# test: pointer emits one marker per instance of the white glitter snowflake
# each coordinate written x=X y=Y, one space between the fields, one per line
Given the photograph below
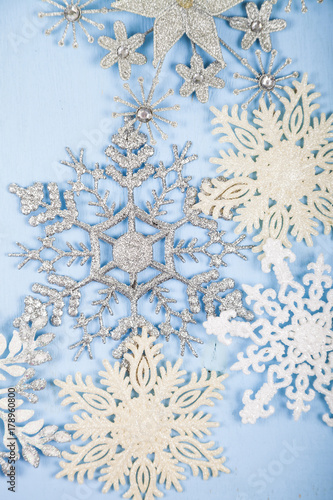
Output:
x=281 y=171
x=303 y=3
x=295 y=347
x=72 y=13
x=15 y=353
x=146 y=412
x=152 y=242
x=265 y=82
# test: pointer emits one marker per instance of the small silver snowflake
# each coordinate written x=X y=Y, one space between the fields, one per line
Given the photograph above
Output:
x=257 y=25
x=72 y=13
x=265 y=82
x=198 y=79
x=122 y=50
x=151 y=241
x=145 y=111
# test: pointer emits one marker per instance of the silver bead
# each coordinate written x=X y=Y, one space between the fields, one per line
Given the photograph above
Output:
x=144 y=114
x=256 y=26
x=72 y=13
x=267 y=82
x=123 y=51
x=197 y=78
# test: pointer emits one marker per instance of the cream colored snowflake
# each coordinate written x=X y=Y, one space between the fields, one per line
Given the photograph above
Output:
x=141 y=413
x=281 y=170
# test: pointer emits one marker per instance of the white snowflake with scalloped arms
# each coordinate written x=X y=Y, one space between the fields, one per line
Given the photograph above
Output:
x=295 y=346
x=25 y=348
x=280 y=175
x=142 y=425
x=153 y=242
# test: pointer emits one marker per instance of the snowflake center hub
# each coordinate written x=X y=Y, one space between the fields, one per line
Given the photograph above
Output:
x=132 y=253
x=267 y=82
x=144 y=114
x=186 y=4
x=144 y=425
x=72 y=13
x=256 y=26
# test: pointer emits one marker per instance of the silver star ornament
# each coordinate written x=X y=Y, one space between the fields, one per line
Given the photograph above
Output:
x=257 y=25
x=175 y=18
x=122 y=50
x=198 y=79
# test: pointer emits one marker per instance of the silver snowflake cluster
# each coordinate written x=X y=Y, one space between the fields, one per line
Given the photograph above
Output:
x=25 y=348
x=132 y=252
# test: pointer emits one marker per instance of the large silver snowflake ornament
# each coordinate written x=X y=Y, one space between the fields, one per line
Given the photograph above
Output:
x=175 y=18
x=73 y=13
x=151 y=243
x=143 y=425
x=294 y=346
x=18 y=383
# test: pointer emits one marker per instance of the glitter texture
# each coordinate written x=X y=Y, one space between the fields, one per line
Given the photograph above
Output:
x=175 y=18
x=149 y=411
x=284 y=153
x=257 y=25
x=72 y=15
x=296 y=344
x=303 y=3
x=25 y=348
x=122 y=50
x=265 y=82
x=171 y=185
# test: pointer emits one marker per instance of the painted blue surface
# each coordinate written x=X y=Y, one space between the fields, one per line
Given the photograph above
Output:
x=53 y=97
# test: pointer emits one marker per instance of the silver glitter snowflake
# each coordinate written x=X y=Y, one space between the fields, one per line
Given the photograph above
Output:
x=146 y=112
x=151 y=242
x=25 y=347
x=304 y=7
x=257 y=25
x=72 y=13
x=265 y=82
x=198 y=79
x=122 y=50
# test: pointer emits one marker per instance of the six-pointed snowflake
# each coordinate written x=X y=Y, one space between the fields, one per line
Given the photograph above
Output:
x=296 y=344
x=72 y=14
x=122 y=50
x=22 y=349
x=282 y=172
x=152 y=243
x=146 y=412
x=257 y=25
